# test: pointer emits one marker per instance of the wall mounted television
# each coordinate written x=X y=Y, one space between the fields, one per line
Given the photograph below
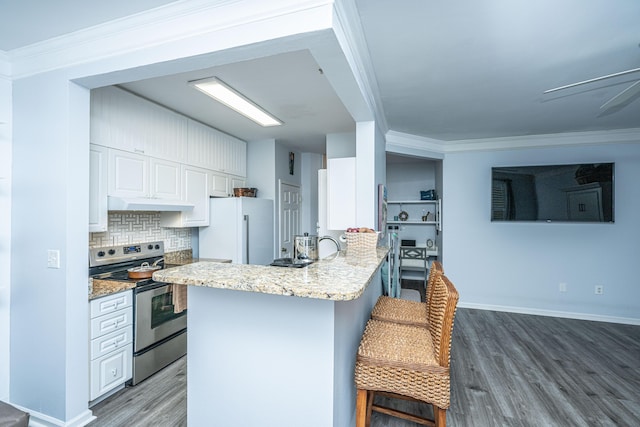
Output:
x=553 y=193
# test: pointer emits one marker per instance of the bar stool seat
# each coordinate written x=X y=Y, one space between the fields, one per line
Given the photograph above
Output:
x=408 y=362
x=407 y=312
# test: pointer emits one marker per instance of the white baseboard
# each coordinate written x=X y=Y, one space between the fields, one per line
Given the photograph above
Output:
x=36 y=419
x=553 y=313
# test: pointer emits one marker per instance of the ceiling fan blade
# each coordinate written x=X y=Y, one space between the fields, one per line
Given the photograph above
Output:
x=608 y=76
x=622 y=97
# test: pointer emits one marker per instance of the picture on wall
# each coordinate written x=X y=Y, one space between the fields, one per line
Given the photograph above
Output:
x=292 y=156
x=382 y=210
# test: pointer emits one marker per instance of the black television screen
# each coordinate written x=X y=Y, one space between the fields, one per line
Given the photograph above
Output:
x=578 y=192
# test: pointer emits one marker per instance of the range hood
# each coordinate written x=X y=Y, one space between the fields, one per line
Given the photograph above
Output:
x=147 y=204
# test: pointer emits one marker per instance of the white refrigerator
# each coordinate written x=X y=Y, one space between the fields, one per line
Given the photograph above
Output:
x=240 y=229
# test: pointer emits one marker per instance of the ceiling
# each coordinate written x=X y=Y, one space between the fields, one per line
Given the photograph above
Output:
x=445 y=71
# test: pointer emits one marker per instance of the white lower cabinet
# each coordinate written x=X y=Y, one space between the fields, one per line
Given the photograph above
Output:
x=111 y=343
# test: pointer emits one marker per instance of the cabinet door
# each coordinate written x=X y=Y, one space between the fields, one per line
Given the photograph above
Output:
x=128 y=174
x=237 y=182
x=166 y=180
x=108 y=323
x=111 y=303
x=110 y=371
x=237 y=158
x=219 y=185
x=202 y=146
x=196 y=191
x=127 y=122
x=111 y=342
x=98 y=214
x=341 y=193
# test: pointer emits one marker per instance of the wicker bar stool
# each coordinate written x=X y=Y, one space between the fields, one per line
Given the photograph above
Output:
x=408 y=362
x=407 y=312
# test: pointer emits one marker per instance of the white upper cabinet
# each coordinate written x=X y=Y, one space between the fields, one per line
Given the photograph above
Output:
x=128 y=174
x=214 y=150
x=98 y=163
x=137 y=175
x=220 y=186
x=166 y=180
x=341 y=193
x=127 y=122
x=195 y=182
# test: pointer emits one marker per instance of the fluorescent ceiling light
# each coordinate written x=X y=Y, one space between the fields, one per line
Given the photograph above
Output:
x=219 y=91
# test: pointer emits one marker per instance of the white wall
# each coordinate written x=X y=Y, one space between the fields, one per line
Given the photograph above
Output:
x=311 y=163
x=5 y=232
x=518 y=266
x=49 y=307
x=261 y=155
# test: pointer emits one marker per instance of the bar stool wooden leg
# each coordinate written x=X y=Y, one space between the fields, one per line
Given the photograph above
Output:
x=361 y=408
x=439 y=416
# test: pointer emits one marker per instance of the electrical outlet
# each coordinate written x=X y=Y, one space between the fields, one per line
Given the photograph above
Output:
x=53 y=258
x=599 y=289
x=562 y=287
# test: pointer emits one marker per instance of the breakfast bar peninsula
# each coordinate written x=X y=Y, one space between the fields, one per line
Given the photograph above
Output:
x=276 y=346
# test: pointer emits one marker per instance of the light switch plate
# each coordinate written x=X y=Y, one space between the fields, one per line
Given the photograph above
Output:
x=53 y=258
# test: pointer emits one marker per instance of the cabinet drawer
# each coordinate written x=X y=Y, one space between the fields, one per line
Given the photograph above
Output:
x=110 y=371
x=110 y=342
x=111 y=322
x=111 y=303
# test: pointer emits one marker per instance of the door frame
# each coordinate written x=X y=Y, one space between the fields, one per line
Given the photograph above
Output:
x=279 y=219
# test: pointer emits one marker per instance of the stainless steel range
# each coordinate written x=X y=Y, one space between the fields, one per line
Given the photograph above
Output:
x=160 y=335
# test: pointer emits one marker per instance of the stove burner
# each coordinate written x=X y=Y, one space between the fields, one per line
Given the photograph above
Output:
x=112 y=262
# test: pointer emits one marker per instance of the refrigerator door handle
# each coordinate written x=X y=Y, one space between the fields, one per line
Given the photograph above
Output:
x=246 y=237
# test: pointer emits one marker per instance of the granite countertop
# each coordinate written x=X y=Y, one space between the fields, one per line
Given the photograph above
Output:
x=341 y=277
x=102 y=287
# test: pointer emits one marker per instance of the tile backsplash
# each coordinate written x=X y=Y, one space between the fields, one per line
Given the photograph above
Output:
x=138 y=227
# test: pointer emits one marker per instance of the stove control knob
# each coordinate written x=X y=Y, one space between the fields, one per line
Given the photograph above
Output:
x=150 y=247
x=157 y=246
x=112 y=251
x=101 y=253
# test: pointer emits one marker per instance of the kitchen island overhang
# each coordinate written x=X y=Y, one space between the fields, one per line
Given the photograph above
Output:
x=273 y=345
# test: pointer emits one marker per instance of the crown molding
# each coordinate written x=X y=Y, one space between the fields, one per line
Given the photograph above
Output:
x=5 y=66
x=349 y=30
x=403 y=143
x=419 y=146
x=546 y=140
x=172 y=22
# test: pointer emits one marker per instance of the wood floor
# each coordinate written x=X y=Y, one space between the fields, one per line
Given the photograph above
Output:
x=507 y=370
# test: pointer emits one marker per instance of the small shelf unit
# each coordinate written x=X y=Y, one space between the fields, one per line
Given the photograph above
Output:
x=393 y=212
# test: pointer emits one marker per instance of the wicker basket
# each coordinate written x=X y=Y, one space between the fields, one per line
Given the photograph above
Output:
x=245 y=192
x=362 y=243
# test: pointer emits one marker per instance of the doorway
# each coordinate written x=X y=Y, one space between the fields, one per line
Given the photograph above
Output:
x=289 y=196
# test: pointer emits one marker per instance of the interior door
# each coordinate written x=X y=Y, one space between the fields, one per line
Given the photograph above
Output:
x=289 y=218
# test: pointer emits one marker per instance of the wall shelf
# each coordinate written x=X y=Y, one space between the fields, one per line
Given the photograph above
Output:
x=394 y=207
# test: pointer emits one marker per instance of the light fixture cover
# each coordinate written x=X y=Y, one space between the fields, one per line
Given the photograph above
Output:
x=224 y=94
